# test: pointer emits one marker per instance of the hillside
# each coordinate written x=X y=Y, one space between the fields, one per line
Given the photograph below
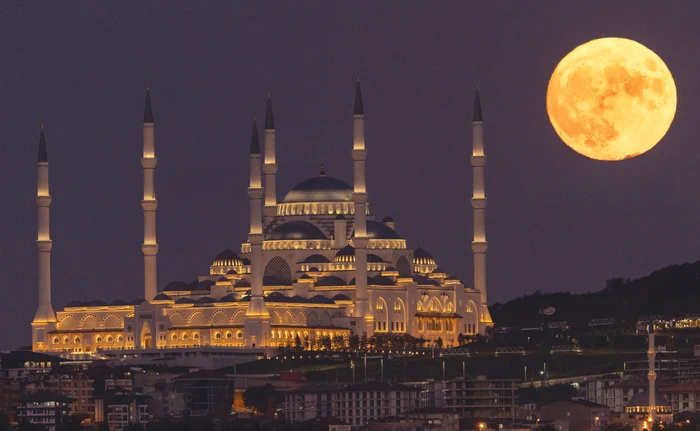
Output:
x=673 y=291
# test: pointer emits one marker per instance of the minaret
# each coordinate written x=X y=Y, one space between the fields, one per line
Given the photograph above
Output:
x=44 y=319
x=257 y=318
x=270 y=165
x=149 y=203
x=359 y=197
x=479 y=245
x=651 y=354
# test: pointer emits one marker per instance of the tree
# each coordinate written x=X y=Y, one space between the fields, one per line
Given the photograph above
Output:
x=297 y=342
x=262 y=399
x=460 y=339
x=547 y=427
x=363 y=341
x=354 y=342
x=338 y=342
x=438 y=342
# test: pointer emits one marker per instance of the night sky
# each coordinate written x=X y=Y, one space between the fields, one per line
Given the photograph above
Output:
x=556 y=221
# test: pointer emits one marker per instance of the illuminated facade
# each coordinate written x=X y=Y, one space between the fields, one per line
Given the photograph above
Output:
x=315 y=265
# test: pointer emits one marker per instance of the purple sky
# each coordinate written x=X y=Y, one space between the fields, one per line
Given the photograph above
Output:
x=555 y=220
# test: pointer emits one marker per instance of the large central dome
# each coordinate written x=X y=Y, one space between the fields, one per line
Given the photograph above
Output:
x=320 y=189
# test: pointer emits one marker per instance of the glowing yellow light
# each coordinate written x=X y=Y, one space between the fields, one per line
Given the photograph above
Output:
x=611 y=99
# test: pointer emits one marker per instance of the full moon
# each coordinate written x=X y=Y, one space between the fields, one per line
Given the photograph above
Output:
x=611 y=99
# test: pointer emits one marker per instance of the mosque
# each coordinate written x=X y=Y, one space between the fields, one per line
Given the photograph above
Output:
x=316 y=265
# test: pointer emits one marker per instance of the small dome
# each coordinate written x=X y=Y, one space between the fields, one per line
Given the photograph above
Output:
x=75 y=304
x=206 y=300
x=331 y=281
x=380 y=281
x=119 y=302
x=313 y=269
x=227 y=258
x=96 y=303
x=228 y=298
x=222 y=279
x=185 y=301
x=176 y=286
x=320 y=299
x=387 y=219
x=316 y=258
x=341 y=297
x=138 y=301
x=205 y=285
x=376 y=230
x=246 y=261
x=373 y=258
x=242 y=283
x=320 y=189
x=276 y=297
x=305 y=277
x=162 y=297
x=345 y=254
x=340 y=217
x=295 y=230
x=422 y=257
x=231 y=272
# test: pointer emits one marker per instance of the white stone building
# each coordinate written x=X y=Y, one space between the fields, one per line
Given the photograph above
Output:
x=316 y=264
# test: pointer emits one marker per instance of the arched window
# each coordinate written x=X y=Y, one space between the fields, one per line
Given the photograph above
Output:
x=403 y=267
x=195 y=336
x=419 y=307
x=229 y=335
x=173 y=337
x=55 y=340
x=278 y=268
x=217 y=335
x=239 y=334
x=398 y=317
x=76 y=340
x=120 y=338
x=109 y=339
x=381 y=315
x=98 y=339
x=185 y=337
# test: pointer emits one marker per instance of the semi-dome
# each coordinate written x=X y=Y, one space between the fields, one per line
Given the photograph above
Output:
x=320 y=189
x=376 y=230
x=422 y=257
x=345 y=254
x=295 y=230
x=316 y=258
x=373 y=258
x=227 y=258
x=331 y=281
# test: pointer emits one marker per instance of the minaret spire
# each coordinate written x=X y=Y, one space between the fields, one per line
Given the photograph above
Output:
x=257 y=318
x=270 y=165
x=651 y=376
x=44 y=319
x=42 y=157
x=149 y=204
x=359 y=197
x=479 y=244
